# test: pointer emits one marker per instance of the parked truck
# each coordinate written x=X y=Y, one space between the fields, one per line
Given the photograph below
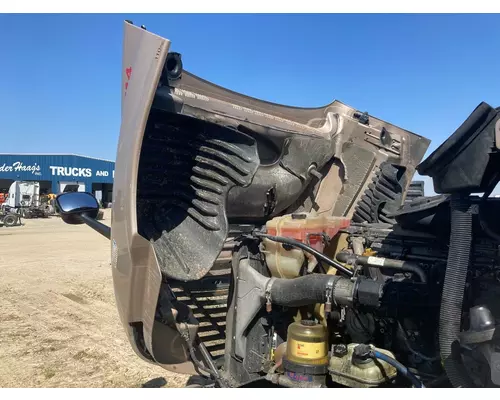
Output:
x=24 y=199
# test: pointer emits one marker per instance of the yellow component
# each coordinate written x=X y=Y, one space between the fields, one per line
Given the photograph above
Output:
x=307 y=343
x=337 y=244
x=306 y=351
x=299 y=317
x=319 y=313
x=369 y=252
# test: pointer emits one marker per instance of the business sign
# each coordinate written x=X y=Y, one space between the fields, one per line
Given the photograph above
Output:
x=77 y=172
x=70 y=171
x=18 y=166
x=55 y=170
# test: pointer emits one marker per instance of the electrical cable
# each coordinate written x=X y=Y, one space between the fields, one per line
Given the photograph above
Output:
x=400 y=367
x=295 y=243
x=198 y=363
x=212 y=371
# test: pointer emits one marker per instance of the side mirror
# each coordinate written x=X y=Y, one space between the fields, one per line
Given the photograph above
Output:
x=81 y=208
x=73 y=205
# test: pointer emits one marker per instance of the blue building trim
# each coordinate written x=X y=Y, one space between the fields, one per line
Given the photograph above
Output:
x=56 y=168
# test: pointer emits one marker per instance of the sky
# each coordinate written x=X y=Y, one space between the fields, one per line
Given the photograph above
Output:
x=60 y=75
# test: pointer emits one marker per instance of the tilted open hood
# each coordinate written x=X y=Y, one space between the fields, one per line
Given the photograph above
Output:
x=197 y=162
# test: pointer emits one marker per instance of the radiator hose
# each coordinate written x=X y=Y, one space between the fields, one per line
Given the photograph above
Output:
x=310 y=289
x=319 y=288
x=453 y=289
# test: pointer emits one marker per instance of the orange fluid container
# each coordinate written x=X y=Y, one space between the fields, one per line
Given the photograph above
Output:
x=307 y=228
x=310 y=229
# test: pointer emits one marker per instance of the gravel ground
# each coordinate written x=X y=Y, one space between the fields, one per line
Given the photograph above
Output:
x=58 y=323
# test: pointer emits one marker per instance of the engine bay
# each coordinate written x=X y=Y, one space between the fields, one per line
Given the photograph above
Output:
x=290 y=252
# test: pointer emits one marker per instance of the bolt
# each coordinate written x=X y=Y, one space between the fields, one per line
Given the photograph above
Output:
x=314 y=172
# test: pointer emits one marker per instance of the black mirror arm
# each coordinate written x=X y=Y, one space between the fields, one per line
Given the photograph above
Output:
x=104 y=230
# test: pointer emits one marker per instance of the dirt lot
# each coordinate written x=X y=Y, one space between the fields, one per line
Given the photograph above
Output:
x=58 y=323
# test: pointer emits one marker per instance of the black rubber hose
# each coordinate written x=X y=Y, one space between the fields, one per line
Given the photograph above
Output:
x=295 y=243
x=453 y=289
x=382 y=262
x=400 y=367
x=297 y=292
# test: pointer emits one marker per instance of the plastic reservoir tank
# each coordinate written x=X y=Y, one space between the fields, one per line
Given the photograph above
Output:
x=311 y=229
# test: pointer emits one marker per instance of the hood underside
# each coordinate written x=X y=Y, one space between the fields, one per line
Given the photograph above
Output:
x=212 y=159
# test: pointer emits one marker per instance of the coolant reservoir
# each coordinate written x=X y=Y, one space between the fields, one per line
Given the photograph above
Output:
x=346 y=370
x=281 y=262
x=309 y=228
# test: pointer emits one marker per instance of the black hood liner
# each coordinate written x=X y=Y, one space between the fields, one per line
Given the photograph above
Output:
x=467 y=161
x=187 y=166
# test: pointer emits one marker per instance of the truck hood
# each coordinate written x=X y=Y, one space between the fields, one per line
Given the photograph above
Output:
x=198 y=164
